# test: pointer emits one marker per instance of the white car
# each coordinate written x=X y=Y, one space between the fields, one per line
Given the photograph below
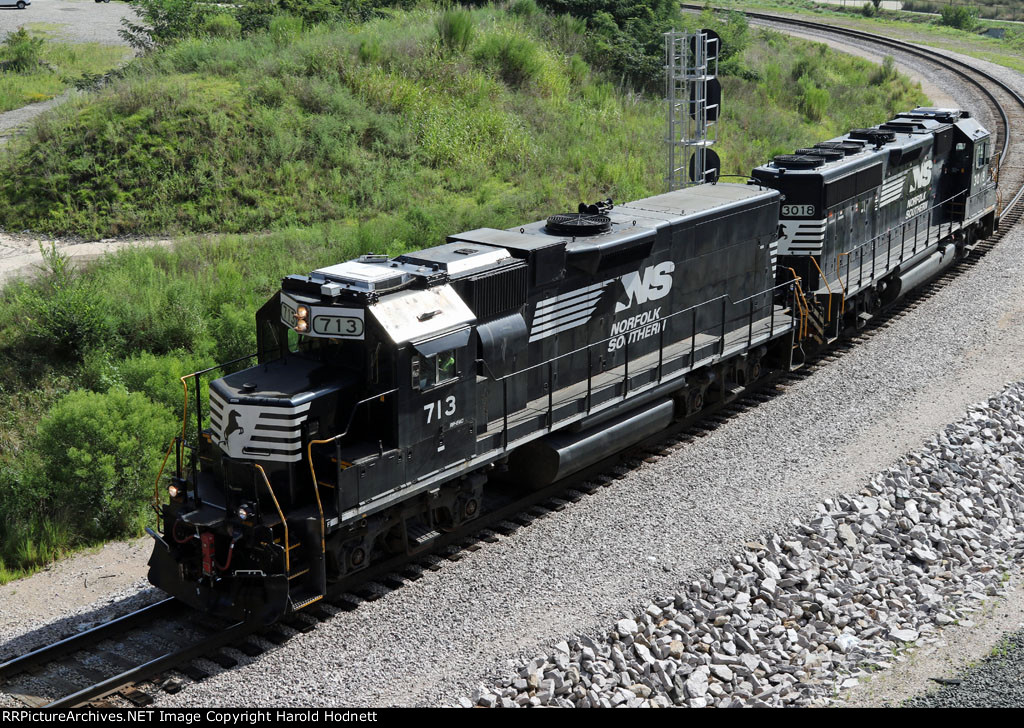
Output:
x=19 y=4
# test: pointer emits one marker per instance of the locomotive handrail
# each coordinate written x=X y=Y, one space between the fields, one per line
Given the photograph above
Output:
x=335 y=438
x=801 y=299
x=723 y=297
x=184 y=420
x=915 y=220
x=827 y=286
x=284 y=522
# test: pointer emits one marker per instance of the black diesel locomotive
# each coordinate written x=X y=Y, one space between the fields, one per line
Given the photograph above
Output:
x=388 y=391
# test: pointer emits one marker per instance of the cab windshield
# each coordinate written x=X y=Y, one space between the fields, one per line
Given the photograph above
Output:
x=344 y=352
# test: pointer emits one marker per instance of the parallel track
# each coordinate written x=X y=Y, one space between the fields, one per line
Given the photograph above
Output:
x=501 y=517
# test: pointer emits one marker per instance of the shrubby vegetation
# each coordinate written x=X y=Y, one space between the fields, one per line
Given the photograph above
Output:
x=22 y=51
x=963 y=17
x=300 y=145
x=89 y=475
x=989 y=9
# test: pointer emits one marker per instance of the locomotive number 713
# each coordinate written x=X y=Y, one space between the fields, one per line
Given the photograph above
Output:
x=448 y=411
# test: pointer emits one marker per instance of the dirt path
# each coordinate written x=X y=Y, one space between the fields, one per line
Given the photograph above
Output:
x=20 y=255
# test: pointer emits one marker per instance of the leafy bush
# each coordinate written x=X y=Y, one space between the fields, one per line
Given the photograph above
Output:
x=235 y=333
x=370 y=51
x=625 y=36
x=255 y=15
x=62 y=316
x=22 y=51
x=159 y=377
x=869 y=10
x=285 y=27
x=886 y=72
x=163 y=22
x=100 y=454
x=814 y=101
x=455 y=30
x=964 y=17
x=223 y=25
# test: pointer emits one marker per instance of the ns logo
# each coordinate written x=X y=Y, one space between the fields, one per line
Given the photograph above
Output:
x=654 y=283
x=921 y=175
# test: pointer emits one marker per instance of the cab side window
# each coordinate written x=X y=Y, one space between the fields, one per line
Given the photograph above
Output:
x=445 y=365
x=428 y=371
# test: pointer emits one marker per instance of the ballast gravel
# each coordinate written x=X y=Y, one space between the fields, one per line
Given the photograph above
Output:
x=815 y=608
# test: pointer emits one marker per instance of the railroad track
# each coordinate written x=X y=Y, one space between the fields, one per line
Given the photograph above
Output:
x=135 y=655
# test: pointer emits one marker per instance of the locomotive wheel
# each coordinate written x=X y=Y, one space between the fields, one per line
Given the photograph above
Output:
x=695 y=403
x=753 y=372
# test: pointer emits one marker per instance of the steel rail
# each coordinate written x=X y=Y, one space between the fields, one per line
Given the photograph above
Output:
x=72 y=644
x=153 y=667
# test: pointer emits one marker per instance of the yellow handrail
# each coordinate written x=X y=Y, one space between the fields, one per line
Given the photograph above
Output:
x=316 y=489
x=804 y=310
x=287 y=543
x=827 y=286
x=184 y=421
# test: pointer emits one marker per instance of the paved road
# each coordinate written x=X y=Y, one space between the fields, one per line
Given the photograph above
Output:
x=75 y=21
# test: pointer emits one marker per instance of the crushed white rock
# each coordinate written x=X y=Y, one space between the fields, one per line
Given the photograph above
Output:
x=801 y=615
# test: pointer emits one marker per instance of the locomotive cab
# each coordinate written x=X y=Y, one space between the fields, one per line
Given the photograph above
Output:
x=364 y=383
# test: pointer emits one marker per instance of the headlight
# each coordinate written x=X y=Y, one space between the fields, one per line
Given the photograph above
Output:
x=246 y=512
x=302 y=313
x=173 y=491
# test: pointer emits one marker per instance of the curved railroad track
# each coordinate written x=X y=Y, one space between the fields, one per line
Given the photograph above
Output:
x=112 y=659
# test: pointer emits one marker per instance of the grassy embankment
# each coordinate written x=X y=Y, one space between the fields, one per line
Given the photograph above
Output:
x=307 y=149
x=34 y=69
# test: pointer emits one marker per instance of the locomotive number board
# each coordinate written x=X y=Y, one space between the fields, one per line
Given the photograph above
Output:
x=327 y=322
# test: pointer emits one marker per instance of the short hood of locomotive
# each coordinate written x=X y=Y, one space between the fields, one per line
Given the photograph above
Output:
x=259 y=413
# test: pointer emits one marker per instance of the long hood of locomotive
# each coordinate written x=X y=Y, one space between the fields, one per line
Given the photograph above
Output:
x=265 y=421
x=664 y=255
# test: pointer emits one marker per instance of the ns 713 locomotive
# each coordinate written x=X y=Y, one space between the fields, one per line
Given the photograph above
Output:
x=388 y=390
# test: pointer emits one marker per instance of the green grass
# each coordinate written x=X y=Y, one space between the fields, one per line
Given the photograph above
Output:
x=44 y=30
x=307 y=151
x=63 y=63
